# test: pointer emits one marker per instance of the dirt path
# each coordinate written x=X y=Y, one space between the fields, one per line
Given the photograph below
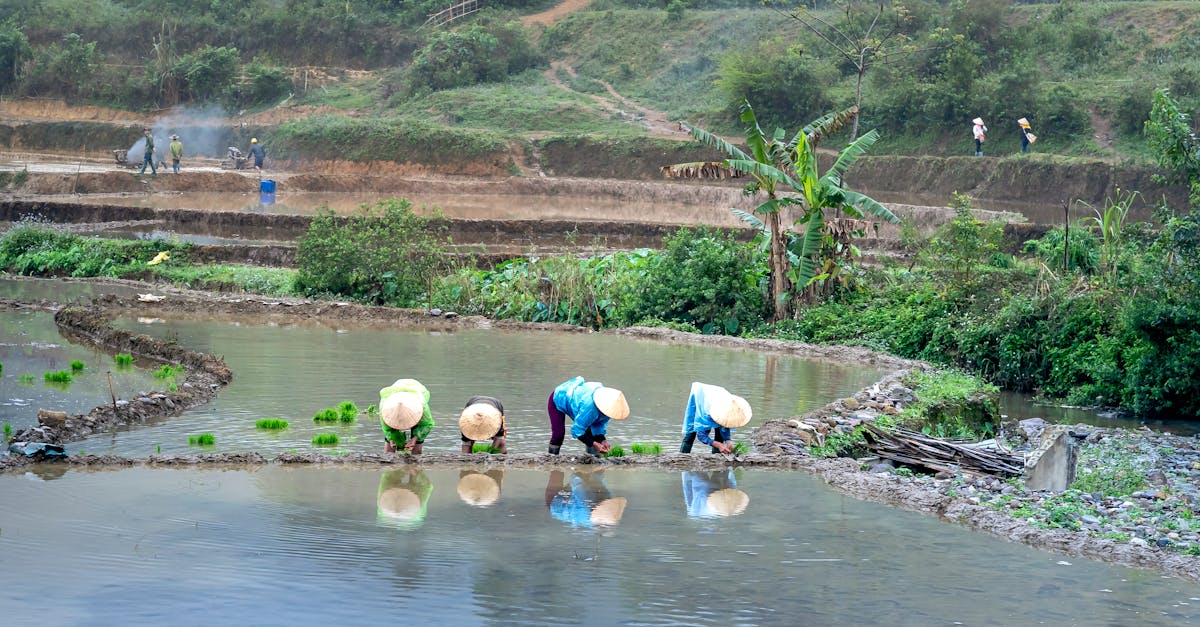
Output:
x=555 y=13
x=655 y=123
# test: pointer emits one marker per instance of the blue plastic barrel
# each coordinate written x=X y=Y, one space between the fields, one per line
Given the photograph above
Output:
x=266 y=198
x=267 y=186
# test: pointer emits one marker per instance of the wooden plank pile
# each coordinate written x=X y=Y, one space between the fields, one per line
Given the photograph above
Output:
x=936 y=455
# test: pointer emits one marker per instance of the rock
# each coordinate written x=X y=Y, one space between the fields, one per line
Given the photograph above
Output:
x=1138 y=542
x=435 y=312
x=1163 y=542
x=1032 y=427
x=50 y=418
x=450 y=314
x=851 y=403
x=890 y=410
x=1157 y=478
x=808 y=437
x=1089 y=520
x=1052 y=465
x=884 y=466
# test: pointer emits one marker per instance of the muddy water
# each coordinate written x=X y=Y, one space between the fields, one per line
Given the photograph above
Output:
x=1021 y=406
x=348 y=546
x=59 y=290
x=292 y=372
x=30 y=345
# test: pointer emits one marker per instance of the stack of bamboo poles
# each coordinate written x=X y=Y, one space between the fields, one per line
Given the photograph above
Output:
x=917 y=449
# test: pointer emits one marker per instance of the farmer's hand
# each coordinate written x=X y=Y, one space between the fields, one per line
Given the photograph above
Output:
x=408 y=446
x=603 y=446
x=725 y=447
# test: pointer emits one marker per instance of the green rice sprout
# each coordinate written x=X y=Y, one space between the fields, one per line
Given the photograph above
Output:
x=25 y=379
x=325 y=439
x=7 y=432
x=615 y=451
x=348 y=411
x=484 y=447
x=271 y=424
x=373 y=410
x=741 y=447
x=167 y=371
x=61 y=376
x=327 y=415
x=203 y=439
x=123 y=359
x=76 y=365
x=641 y=448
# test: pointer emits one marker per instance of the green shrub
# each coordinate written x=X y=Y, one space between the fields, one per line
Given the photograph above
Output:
x=325 y=439
x=271 y=424
x=470 y=55
x=203 y=439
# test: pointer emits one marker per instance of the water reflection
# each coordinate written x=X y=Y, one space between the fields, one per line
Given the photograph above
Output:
x=480 y=489
x=713 y=494
x=585 y=502
x=403 y=498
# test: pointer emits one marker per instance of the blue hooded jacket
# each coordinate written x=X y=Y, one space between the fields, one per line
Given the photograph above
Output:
x=697 y=417
x=574 y=398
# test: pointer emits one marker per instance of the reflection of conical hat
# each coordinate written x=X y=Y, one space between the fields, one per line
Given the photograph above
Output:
x=611 y=403
x=978 y=120
x=400 y=504
x=480 y=421
x=478 y=490
x=728 y=502
x=402 y=410
x=731 y=411
x=608 y=512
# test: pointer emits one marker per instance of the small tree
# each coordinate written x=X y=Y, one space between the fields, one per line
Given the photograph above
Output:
x=14 y=50
x=1175 y=145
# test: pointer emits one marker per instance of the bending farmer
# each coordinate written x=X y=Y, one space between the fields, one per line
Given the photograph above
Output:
x=483 y=419
x=405 y=416
x=590 y=405
x=713 y=408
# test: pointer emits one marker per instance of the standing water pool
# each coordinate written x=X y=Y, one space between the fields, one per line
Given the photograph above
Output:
x=278 y=545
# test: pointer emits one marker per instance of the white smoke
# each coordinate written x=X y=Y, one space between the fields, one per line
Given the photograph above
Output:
x=204 y=131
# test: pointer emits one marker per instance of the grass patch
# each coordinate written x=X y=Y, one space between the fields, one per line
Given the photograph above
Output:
x=327 y=415
x=60 y=376
x=269 y=281
x=325 y=439
x=25 y=379
x=347 y=411
x=615 y=451
x=202 y=439
x=483 y=447
x=271 y=424
x=76 y=365
x=642 y=448
x=123 y=359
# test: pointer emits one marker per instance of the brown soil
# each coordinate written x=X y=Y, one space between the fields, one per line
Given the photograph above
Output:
x=555 y=13
x=28 y=109
x=655 y=123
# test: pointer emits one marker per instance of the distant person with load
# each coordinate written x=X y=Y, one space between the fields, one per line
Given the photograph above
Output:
x=978 y=131
x=711 y=408
x=1027 y=136
x=482 y=419
x=176 y=148
x=590 y=405
x=148 y=156
x=257 y=152
x=405 y=416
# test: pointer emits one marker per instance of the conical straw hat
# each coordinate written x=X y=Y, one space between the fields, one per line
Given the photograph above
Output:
x=978 y=120
x=402 y=410
x=728 y=502
x=608 y=512
x=400 y=504
x=480 y=421
x=1023 y=122
x=611 y=403
x=733 y=412
x=478 y=490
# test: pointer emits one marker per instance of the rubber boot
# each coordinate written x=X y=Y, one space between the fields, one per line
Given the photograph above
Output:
x=554 y=448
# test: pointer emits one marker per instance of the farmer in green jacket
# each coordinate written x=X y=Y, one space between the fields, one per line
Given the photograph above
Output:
x=405 y=416
x=148 y=155
x=176 y=153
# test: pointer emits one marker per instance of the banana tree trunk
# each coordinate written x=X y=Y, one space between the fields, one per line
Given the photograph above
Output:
x=778 y=265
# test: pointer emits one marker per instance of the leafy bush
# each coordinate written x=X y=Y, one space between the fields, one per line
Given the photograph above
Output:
x=209 y=74
x=266 y=84
x=386 y=255
x=784 y=87
x=60 y=69
x=471 y=55
x=14 y=50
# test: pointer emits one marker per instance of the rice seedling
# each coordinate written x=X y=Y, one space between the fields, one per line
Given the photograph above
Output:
x=615 y=451
x=347 y=411
x=640 y=448
x=373 y=409
x=61 y=376
x=7 y=432
x=158 y=450
x=484 y=447
x=25 y=379
x=741 y=447
x=76 y=365
x=203 y=439
x=1 y=368
x=123 y=359
x=271 y=424
x=167 y=371
x=327 y=415
x=325 y=439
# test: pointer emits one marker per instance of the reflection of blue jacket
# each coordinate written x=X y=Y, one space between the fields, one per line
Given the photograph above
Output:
x=697 y=416
x=574 y=398
x=576 y=508
x=698 y=485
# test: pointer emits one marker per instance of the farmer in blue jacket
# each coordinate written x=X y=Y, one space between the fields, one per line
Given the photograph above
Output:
x=590 y=405
x=711 y=408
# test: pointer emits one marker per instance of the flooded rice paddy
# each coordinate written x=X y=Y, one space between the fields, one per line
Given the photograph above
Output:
x=294 y=371
x=448 y=546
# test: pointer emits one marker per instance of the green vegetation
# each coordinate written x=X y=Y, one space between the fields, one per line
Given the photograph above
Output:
x=325 y=439
x=271 y=424
x=60 y=376
x=203 y=439
x=1110 y=469
x=484 y=447
x=168 y=372
x=741 y=447
x=639 y=448
x=615 y=451
x=123 y=359
x=952 y=404
x=39 y=251
x=25 y=379
x=8 y=432
x=347 y=411
x=328 y=415
x=76 y=365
